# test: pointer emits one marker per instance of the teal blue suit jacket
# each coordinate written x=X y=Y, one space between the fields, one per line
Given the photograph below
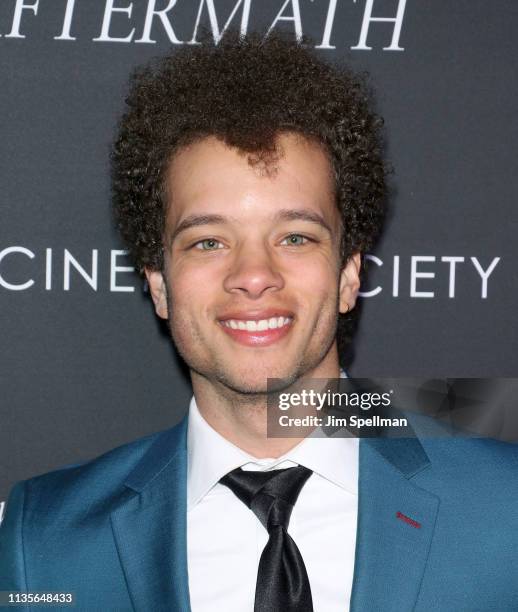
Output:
x=437 y=528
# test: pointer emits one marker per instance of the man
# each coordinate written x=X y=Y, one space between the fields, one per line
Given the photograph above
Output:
x=248 y=182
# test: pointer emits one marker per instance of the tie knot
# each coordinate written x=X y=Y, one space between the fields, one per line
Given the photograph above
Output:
x=270 y=495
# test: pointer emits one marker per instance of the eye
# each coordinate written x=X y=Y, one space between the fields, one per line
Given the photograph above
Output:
x=209 y=244
x=295 y=240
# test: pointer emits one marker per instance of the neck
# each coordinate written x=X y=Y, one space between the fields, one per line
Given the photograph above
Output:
x=242 y=418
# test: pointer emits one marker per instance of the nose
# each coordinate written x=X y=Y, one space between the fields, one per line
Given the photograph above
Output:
x=253 y=273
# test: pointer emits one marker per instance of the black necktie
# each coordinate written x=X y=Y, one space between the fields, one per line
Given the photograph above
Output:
x=282 y=580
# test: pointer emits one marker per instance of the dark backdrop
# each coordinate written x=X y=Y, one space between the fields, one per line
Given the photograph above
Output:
x=85 y=366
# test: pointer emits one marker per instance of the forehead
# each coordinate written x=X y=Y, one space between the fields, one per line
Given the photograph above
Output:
x=210 y=177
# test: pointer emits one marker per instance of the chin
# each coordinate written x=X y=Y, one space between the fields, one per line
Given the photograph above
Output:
x=254 y=380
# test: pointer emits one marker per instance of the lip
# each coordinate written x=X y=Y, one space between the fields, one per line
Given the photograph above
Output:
x=256 y=315
x=257 y=338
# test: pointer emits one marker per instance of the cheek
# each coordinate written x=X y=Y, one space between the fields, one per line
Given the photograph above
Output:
x=318 y=284
x=190 y=294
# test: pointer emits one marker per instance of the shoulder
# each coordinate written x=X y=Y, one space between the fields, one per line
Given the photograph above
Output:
x=480 y=466
x=92 y=485
x=470 y=451
x=445 y=444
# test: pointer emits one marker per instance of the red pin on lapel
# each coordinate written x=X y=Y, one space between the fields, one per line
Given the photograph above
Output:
x=408 y=520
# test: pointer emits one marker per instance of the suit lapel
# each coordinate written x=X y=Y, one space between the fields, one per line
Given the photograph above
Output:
x=150 y=527
x=396 y=521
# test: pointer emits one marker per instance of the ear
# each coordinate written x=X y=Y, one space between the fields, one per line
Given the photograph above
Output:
x=349 y=283
x=158 y=291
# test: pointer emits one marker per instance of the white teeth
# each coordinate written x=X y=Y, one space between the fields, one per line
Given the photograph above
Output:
x=262 y=325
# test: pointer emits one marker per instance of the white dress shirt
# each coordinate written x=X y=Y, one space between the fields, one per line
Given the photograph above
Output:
x=225 y=538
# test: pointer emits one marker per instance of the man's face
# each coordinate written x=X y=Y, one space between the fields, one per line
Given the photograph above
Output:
x=251 y=264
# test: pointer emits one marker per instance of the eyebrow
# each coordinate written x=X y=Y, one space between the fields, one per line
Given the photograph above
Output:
x=285 y=214
x=302 y=214
x=196 y=220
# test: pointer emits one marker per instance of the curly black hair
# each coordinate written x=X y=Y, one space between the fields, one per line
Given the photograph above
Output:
x=246 y=91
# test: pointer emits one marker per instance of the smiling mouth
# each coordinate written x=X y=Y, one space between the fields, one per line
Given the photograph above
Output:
x=252 y=325
x=257 y=332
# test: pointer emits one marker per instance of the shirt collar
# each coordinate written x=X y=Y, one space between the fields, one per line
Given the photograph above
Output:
x=211 y=456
